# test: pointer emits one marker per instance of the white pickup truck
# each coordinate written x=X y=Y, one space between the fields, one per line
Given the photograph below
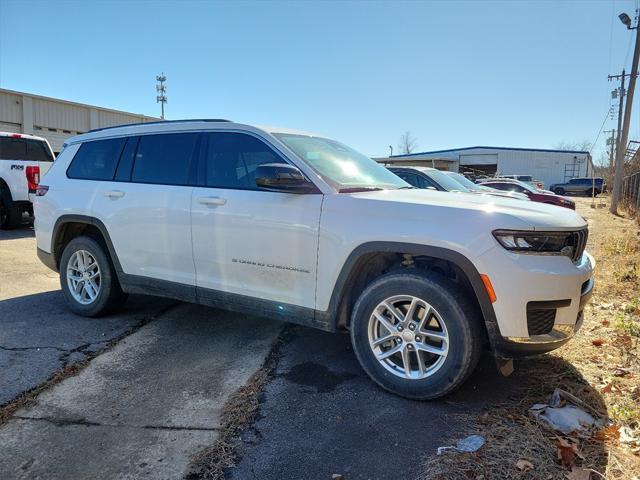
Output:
x=23 y=158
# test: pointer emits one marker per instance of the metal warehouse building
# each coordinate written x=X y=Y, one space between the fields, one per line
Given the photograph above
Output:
x=549 y=166
x=56 y=120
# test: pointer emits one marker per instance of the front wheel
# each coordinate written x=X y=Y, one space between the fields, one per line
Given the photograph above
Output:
x=88 y=279
x=416 y=334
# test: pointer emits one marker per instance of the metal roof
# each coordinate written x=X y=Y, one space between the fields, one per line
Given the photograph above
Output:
x=489 y=148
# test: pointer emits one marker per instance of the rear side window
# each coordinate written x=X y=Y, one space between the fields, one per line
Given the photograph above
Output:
x=164 y=159
x=232 y=158
x=24 y=149
x=96 y=160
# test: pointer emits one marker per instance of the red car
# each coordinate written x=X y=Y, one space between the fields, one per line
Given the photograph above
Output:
x=535 y=195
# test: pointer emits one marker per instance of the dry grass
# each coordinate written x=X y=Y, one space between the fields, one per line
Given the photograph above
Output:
x=237 y=414
x=601 y=366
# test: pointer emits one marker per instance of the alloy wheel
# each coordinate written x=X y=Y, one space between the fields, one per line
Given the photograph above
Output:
x=83 y=277
x=408 y=337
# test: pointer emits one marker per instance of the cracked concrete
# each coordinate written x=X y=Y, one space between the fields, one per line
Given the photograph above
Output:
x=140 y=408
x=153 y=399
x=38 y=334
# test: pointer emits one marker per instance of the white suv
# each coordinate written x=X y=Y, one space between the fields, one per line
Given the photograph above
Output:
x=302 y=228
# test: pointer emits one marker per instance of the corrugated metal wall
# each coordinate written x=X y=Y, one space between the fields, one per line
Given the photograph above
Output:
x=57 y=120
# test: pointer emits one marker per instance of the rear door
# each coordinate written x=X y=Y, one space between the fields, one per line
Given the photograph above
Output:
x=249 y=241
x=145 y=206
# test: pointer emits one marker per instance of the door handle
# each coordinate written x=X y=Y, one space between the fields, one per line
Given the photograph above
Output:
x=212 y=201
x=114 y=194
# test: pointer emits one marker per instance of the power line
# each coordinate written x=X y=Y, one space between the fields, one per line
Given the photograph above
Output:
x=600 y=131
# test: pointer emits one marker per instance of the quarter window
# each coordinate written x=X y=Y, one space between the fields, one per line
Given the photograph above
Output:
x=232 y=158
x=96 y=160
x=164 y=159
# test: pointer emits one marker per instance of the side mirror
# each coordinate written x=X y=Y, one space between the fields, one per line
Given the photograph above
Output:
x=282 y=177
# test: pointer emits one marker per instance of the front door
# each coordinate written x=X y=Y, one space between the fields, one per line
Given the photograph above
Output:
x=249 y=241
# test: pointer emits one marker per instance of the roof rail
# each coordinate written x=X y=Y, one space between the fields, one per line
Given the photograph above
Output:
x=160 y=121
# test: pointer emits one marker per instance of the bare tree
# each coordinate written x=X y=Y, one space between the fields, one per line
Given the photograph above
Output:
x=582 y=146
x=408 y=143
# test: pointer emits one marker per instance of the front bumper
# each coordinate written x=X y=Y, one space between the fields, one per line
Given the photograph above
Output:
x=551 y=282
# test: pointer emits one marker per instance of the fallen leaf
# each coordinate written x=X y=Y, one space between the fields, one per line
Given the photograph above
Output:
x=598 y=342
x=622 y=372
x=611 y=388
x=605 y=323
x=578 y=473
x=524 y=465
x=610 y=432
x=567 y=452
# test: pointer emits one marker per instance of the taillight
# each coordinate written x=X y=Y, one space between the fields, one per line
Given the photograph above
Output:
x=33 y=177
x=42 y=190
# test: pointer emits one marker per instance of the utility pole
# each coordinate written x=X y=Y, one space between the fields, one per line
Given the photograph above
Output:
x=612 y=148
x=624 y=137
x=161 y=88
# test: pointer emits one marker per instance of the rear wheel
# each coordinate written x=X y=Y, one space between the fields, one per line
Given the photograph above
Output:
x=88 y=279
x=10 y=213
x=558 y=191
x=416 y=334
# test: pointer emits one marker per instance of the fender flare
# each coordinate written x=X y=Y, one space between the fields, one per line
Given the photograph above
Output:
x=89 y=220
x=458 y=259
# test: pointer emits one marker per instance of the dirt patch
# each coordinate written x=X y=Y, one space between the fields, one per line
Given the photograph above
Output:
x=601 y=366
x=29 y=397
x=238 y=413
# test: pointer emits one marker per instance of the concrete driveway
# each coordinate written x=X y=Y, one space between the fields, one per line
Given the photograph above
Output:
x=140 y=408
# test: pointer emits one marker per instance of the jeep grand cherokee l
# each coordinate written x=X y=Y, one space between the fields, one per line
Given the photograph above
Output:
x=302 y=228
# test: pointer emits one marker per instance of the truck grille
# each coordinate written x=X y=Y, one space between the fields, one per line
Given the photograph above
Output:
x=578 y=241
x=540 y=321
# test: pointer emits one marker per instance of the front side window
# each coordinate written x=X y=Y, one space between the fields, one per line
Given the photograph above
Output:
x=231 y=160
x=24 y=149
x=339 y=164
x=96 y=160
x=164 y=159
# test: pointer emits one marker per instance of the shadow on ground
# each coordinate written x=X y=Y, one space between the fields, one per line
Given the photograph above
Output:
x=39 y=336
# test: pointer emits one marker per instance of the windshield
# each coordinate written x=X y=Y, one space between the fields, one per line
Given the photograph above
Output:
x=446 y=182
x=341 y=165
x=464 y=181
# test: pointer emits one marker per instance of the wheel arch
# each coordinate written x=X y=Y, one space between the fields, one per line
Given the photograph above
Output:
x=70 y=226
x=361 y=256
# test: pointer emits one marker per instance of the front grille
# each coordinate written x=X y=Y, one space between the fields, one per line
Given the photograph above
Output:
x=540 y=321
x=578 y=241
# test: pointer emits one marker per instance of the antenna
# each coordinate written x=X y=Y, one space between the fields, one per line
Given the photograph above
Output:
x=161 y=88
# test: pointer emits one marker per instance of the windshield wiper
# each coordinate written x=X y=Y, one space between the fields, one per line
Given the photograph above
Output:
x=359 y=189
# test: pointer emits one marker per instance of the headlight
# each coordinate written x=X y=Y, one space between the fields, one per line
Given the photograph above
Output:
x=556 y=243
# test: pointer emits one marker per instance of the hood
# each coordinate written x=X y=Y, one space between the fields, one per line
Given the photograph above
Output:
x=503 y=212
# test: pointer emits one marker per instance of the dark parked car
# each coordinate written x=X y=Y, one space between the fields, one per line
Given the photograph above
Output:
x=534 y=194
x=580 y=186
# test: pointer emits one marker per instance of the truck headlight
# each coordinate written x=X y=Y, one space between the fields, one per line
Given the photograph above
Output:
x=558 y=243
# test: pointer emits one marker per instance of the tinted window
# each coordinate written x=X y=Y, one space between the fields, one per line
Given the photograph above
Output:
x=123 y=173
x=164 y=159
x=96 y=160
x=24 y=149
x=231 y=160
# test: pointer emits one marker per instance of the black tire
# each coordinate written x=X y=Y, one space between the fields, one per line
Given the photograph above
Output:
x=10 y=213
x=460 y=315
x=558 y=191
x=110 y=295
x=591 y=193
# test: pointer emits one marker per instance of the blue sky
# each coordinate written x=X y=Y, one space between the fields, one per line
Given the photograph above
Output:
x=454 y=73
